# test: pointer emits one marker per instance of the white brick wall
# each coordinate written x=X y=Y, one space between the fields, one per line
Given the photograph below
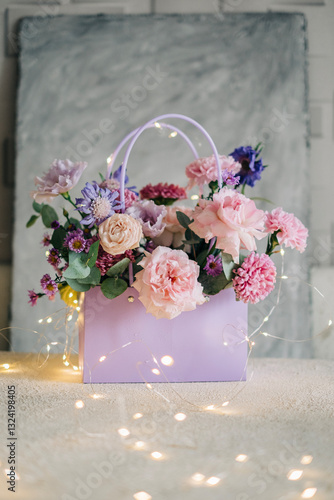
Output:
x=320 y=15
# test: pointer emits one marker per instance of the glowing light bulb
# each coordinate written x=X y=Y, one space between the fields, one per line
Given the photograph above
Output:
x=309 y=492
x=265 y=319
x=306 y=459
x=265 y=334
x=194 y=197
x=102 y=358
x=157 y=125
x=75 y=301
x=225 y=344
x=167 y=360
x=66 y=363
x=79 y=404
x=64 y=356
x=198 y=477
x=40 y=321
x=294 y=475
x=5 y=366
x=49 y=320
x=136 y=416
x=77 y=308
x=213 y=481
x=69 y=318
x=282 y=252
x=241 y=458
x=70 y=295
x=149 y=386
x=54 y=343
x=172 y=134
x=330 y=322
x=226 y=403
x=180 y=417
x=139 y=445
x=48 y=347
x=47 y=253
x=97 y=396
x=109 y=159
x=155 y=371
x=210 y=407
x=284 y=277
x=156 y=455
x=123 y=432
x=75 y=368
x=142 y=495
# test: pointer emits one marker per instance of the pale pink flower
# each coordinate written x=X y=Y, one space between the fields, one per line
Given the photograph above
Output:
x=62 y=176
x=168 y=283
x=150 y=216
x=204 y=170
x=255 y=278
x=173 y=233
x=292 y=233
x=120 y=233
x=232 y=218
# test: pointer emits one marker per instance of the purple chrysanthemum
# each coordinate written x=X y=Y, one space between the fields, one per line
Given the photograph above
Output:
x=72 y=234
x=46 y=241
x=229 y=178
x=53 y=258
x=77 y=244
x=97 y=203
x=33 y=296
x=49 y=286
x=251 y=165
x=55 y=224
x=213 y=265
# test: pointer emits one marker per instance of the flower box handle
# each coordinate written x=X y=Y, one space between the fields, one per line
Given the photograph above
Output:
x=137 y=133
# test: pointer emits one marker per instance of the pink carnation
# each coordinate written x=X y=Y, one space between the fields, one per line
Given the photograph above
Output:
x=292 y=233
x=204 y=170
x=168 y=283
x=230 y=217
x=161 y=190
x=129 y=198
x=62 y=176
x=105 y=261
x=255 y=279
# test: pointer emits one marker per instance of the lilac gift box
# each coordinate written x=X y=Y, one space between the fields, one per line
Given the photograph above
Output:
x=120 y=342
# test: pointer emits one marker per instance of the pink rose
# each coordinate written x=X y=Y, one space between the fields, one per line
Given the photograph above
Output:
x=204 y=170
x=291 y=232
x=173 y=233
x=62 y=176
x=168 y=283
x=120 y=233
x=232 y=218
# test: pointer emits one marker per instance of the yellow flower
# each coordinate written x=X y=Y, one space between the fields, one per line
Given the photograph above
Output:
x=68 y=295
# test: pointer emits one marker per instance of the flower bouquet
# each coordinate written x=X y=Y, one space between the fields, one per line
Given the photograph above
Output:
x=133 y=253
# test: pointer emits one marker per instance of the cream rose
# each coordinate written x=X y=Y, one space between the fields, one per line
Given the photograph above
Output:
x=119 y=233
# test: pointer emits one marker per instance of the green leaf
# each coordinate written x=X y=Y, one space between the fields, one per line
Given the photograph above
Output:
x=118 y=268
x=212 y=284
x=136 y=266
x=58 y=237
x=93 y=278
x=48 y=215
x=32 y=220
x=113 y=287
x=183 y=219
x=89 y=258
x=228 y=265
x=37 y=206
x=76 y=269
x=191 y=236
x=73 y=221
x=78 y=287
x=102 y=177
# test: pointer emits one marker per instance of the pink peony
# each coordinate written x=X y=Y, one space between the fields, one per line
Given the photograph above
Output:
x=168 y=283
x=167 y=191
x=173 y=233
x=232 y=218
x=204 y=170
x=292 y=233
x=255 y=279
x=62 y=176
x=120 y=233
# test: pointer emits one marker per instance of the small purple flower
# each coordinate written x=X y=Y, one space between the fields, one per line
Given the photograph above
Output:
x=53 y=258
x=229 y=178
x=150 y=215
x=32 y=297
x=251 y=165
x=49 y=286
x=77 y=244
x=46 y=241
x=72 y=234
x=97 y=203
x=213 y=265
x=55 y=224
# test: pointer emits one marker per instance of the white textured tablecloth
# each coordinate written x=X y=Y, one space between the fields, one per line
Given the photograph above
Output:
x=286 y=411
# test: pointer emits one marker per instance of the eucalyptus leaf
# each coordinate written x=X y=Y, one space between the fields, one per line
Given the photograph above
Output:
x=37 y=206
x=228 y=265
x=32 y=220
x=118 y=268
x=76 y=268
x=89 y=259
x=113 y=287
x=48 y=215
x=76 y=286
x=183 y=219
x=191 y=236
x=212 y=284
x=93 y=278
x=58 y=237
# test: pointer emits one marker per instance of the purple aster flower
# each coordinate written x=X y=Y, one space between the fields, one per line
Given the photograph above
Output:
x=32 y=297
x=49 y=286
x=117 y=177
x=55 y=224
x=97 y=203
x=72 y=234
x=150 y=215
x=77 y=244
x=46 y=241
x=53 y=258
x=229 y=178
x=251 y=166
x=213 y=265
